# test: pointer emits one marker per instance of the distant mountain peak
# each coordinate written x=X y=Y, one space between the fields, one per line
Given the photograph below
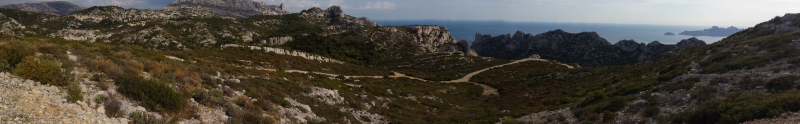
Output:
x=232 y=8
x=55 y=7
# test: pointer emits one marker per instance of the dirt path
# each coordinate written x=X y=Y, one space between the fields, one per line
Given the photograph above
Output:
x=468 y=76
x=487 y=90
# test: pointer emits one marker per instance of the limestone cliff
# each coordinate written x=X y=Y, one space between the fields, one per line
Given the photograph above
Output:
x=55 y=8
x=586 y=48
x=232 y=8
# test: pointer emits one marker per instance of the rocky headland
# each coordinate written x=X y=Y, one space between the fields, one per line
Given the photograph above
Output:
x=585 y=48
x=713 y=31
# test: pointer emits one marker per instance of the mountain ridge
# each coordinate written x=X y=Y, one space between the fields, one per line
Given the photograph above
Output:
x=55 y=8
x=585 y=48
x=233 y=8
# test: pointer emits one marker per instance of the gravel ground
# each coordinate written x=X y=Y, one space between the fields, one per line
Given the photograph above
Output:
x=26 y=101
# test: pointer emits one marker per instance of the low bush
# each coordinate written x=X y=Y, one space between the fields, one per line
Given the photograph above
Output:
x=151 y=93
x=740 y=107
x=703 y=92
x=113 y=108
x=748 y=83
x=42 y=70
x=14 y=53
x=782 y=83
x=106 y=66
x=209 y=98
x=74 y=92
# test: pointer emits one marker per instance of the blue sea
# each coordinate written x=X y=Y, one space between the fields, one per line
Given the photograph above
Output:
x=465 y=30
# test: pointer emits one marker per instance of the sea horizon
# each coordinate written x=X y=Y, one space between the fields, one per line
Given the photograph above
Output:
x=612 y=32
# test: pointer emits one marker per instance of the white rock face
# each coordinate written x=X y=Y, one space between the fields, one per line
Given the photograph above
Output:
x=277 y=40
x=286 y=52
x=84 y=35
x=298 y=114
x=433 y=38
x=328 y=96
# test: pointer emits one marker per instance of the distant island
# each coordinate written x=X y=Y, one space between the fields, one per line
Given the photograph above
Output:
x=714 y=31
x=669 y=33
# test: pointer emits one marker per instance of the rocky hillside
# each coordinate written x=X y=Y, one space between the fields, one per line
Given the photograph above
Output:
x=329 y=33
x=585 y=49
x=232 y=8
x=334 y=18
x=55 y=8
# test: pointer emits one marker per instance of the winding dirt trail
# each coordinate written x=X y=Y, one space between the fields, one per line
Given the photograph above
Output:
x=487 y=90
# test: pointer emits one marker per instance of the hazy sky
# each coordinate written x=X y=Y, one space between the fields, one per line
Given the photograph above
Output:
x=740 y=13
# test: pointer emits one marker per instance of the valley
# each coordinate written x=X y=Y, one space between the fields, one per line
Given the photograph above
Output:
x=197 y=62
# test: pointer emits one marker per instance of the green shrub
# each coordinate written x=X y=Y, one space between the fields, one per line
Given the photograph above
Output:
x=209 y=98
x=782 y=83
x=740 y=107
x=151 y=93
x=42 y=70
x=74 y=92
x=4 y=65
x=14 y=53
x=748 y=83
x=97 y=78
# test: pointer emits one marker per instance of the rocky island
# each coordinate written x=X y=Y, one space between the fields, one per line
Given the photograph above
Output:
x=713 y=31
x=669 y=33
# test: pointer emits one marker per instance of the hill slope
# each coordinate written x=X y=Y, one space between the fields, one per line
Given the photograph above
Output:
x=55 y=8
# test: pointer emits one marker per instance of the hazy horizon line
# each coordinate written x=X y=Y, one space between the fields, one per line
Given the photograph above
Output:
x=741 y=27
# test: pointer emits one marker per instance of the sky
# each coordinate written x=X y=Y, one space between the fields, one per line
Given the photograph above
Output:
x=723 y=13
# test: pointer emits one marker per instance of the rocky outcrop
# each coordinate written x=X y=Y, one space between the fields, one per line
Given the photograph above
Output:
x=463 y=46
x=713 y=31
x=277 y=40
x=433 y=39
x=10 y=25
x=76 y=34
x=691 y=42
x=789 y=22
x=55 y=8
x=334 y=18
x=585 y=49
x=232 y=8
x=286 y=52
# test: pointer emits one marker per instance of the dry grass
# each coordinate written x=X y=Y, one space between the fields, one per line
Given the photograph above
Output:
x=105 y=66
